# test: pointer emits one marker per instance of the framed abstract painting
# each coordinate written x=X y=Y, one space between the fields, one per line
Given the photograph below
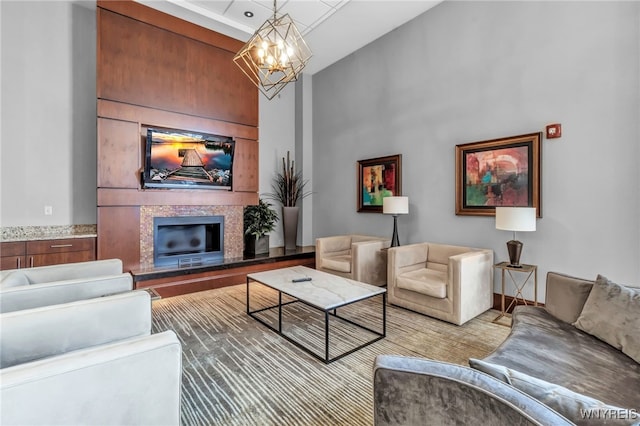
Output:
x=498 y=172
x=378 y=178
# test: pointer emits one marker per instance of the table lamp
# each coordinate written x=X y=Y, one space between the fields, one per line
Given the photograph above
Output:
x=395 y=206
x=515 y=219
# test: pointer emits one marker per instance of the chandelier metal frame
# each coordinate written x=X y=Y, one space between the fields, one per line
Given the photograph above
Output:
x=275 y=55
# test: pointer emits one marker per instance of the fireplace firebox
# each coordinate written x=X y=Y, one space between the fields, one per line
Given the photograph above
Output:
x=185 y=241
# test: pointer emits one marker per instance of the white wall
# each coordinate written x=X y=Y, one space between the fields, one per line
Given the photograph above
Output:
x=276 y=137
x=472 y=71
x=48 y=135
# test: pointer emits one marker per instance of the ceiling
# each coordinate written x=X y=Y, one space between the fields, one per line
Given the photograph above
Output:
x=331 y=28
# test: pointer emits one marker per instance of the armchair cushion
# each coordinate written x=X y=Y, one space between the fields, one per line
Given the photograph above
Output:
x=439 y=254
x=430 y=282
x=338 y=263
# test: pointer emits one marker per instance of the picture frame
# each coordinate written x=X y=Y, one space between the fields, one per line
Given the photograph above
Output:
x=498 y=172
x=378 y=178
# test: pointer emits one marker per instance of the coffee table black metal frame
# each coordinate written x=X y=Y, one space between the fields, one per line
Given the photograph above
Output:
x=327 y=313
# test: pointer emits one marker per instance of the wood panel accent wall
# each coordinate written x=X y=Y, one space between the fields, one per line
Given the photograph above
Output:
x=143 y=64
x=156 y=70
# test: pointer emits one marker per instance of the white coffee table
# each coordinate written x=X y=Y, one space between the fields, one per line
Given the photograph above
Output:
x=324 y=292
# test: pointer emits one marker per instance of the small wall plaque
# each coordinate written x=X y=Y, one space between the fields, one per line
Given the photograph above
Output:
x=554 y=131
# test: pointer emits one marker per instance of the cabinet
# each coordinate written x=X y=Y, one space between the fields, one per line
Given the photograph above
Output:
x=13 y=255
x=27 y=254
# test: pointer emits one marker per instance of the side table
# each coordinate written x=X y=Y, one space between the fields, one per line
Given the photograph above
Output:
x=530 y=270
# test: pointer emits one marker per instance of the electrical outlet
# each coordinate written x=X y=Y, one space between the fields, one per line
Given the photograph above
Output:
x=48 y=210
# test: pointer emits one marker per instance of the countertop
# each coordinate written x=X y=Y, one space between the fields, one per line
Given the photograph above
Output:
x=34 y=233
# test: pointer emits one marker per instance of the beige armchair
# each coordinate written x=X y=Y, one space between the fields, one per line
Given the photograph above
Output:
x=50 y=285
x=450 y=283
x=358 y=257
x=89 y=362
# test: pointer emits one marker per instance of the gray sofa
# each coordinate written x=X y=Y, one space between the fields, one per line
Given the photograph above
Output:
x=577 y=356
x=89 y=362
x=413 y=391
x=549 y=355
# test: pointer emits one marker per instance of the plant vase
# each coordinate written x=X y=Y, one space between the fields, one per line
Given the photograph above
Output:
x=254 y=246
x=290 y=227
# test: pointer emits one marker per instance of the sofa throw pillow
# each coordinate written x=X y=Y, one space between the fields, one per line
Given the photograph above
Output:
x=566 y=296
x=612 y=314
x=580 y=409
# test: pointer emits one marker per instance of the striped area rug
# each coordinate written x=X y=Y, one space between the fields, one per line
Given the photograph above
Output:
x=238 y=372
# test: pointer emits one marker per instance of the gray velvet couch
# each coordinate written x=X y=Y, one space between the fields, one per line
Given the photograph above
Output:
x=548 y=356
x=412 y=391
x=548 y=371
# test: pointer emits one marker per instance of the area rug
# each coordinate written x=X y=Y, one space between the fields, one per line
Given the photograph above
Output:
x=236 y=371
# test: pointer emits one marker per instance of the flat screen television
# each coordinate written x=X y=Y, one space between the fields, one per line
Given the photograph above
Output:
x=185 y=159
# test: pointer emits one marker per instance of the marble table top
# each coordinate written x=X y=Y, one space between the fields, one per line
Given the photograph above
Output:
x=324 y=291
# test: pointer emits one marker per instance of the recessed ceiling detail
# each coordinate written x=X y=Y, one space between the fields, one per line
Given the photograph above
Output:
x=332 y=28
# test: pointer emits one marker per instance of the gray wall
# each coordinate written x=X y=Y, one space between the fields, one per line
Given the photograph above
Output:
x=460 y=73
x=48 y=113
x=472 y=71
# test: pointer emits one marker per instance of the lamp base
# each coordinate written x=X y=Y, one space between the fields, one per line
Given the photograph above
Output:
x=395 y=241
x=514 y=248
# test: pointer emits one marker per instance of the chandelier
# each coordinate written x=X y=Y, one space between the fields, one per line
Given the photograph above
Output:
x=274 y=55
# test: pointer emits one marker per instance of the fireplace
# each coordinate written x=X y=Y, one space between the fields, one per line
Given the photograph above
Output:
x=184 y=241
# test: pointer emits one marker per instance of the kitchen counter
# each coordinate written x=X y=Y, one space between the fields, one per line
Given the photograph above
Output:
x=34 y=233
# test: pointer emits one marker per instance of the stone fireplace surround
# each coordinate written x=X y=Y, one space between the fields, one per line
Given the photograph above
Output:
x=233 y=227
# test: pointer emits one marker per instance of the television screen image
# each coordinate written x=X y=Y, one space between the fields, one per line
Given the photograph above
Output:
x=185 y=159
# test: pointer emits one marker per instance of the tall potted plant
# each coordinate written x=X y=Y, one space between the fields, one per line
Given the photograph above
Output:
x=288 y=189
x=259 y=220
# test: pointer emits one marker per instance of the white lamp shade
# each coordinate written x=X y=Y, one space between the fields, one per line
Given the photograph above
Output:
x=516 y=218
x=395 y=205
